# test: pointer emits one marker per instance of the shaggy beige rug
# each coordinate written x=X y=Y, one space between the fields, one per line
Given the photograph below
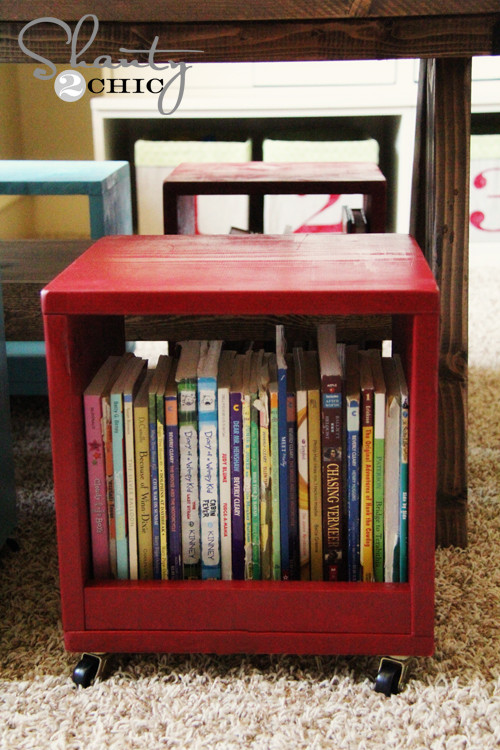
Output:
x=451 y=702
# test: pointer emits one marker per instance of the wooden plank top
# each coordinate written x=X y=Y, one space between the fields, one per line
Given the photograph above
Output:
x=59 y=177
x=294 y=176
x=182 y=274
x=183 y=11
x=261 y=30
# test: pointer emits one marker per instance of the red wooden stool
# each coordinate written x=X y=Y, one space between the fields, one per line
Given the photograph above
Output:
x=257 y=179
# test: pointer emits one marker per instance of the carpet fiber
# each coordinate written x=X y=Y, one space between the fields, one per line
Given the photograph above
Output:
x=451 y=701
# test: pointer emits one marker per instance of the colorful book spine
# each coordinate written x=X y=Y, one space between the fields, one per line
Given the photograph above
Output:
x=255 y=487
x=378 y=464
x=367 y=423
x=155 y=486
x=277 y=571
x=208 y=461
x=293 y=499
x=130 y=483
x=315 y=465
x=143 y=484
x=403 y=527
x=247 y=471
x=223 y=417
x=110 y=489
x=283 y=453
x=332 y=433
x=96 y=471
x=161 y=377
x=162 y=485
x=265 y=484
x=353 y=461
x=175 y=568
x=237 y=514
x=118 y=438
x=188 y=470
x=302 y=469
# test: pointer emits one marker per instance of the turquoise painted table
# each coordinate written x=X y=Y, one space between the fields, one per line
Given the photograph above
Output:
x=107 y=184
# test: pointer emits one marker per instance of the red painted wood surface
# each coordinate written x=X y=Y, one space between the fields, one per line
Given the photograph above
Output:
x=83 y=316
x=266 y=178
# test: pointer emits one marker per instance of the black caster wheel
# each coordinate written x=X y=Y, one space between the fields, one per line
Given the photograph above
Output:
x=12 y=544
x=88 y=669
x=391 y=675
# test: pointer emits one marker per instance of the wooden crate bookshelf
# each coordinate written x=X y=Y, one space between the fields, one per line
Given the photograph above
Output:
x=286 y=278
x=257 y=179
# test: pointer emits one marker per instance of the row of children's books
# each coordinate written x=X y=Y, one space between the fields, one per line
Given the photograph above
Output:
x=253 y=465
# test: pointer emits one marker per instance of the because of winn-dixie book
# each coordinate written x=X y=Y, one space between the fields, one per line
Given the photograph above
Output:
x=208 y=458
x=186 y=378
x=332 y=431
x=142 y=465
x=122 y=392
x=316 y=531
x=96 y=467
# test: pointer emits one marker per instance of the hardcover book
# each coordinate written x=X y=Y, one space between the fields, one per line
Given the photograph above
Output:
x=403 y=486
x=276 y=497
x=247 y=468
x=302 y=464
x=367 y=424
x=283 y=452
x=186 y=377
x=378 y=463
x=226 y=365
x=175 y=568
x=353 y=460
x=208 y=457
x=107 y=431
x=96 y=468
x=142 y=464
x=293 y=498
x=237 y=501
x=255 y=371
x=316 y=531
x=122 y=392
x=263 y=406
x=157 y=465
x=332 y=434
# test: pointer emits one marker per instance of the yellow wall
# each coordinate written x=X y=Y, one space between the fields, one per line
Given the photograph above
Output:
x=36 y=124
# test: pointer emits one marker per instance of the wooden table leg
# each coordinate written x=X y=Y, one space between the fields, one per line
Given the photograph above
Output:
x=440 y=219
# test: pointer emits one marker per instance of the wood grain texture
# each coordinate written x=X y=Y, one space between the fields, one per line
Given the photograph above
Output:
x=238 y=10
x=440 y=224
x=26 y=267
x=356 y=37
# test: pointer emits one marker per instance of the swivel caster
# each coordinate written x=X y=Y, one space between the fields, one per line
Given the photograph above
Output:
x=392 y=674
x=89 y=668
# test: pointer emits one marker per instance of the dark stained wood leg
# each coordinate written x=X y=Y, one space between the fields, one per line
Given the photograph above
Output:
x=440 y=224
